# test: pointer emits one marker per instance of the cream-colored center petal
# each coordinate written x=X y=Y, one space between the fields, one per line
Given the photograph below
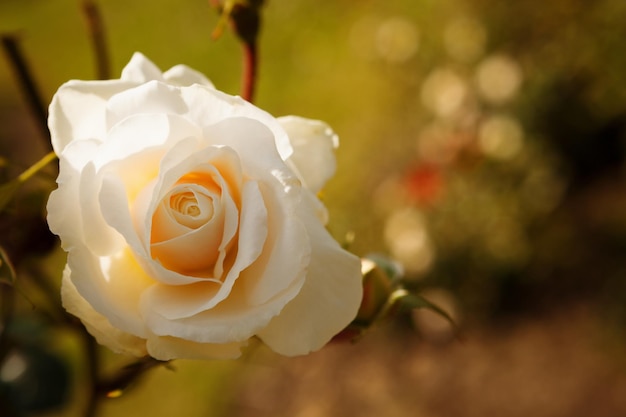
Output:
x=188 y=227
x=189 y=207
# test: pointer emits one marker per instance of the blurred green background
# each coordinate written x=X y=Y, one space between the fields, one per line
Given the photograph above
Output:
x=482 y=147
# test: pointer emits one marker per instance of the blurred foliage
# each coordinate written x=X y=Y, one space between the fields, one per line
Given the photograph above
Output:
x=482 y=141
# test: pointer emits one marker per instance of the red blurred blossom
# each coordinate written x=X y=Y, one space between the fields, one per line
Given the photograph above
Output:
x=424 y=184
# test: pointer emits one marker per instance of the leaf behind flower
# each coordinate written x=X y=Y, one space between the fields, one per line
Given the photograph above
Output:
x=415 y=301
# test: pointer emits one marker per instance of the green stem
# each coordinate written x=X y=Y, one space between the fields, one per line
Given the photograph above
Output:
x=36 y=167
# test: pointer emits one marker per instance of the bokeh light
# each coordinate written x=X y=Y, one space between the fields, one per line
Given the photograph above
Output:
x=498 y=78
x=465 y=38
x=501 y=137
x=397 y=40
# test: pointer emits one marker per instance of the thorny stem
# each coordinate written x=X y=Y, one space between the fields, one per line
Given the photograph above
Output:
x=27 y=84
x=95 y=24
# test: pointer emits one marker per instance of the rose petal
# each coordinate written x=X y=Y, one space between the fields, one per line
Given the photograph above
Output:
x=175 y=303
x=97 y=325
x=231 y=321
x=138 y=133
x=129 y=137
x=207 y=106
x=99 y=237
x=181 y=160
x=77 y=111
x=141 y=70
x=65 y=219
x=168 y=223
x=182 y=75
x=327 y=302
x=113 y=197
x=153 y=97
x=195 y=249
x=313 y=144
x=281 y=192
x=253 y=142
x=112 y=285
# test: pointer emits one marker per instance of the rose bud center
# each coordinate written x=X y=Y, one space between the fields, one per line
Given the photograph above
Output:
x=191 y=208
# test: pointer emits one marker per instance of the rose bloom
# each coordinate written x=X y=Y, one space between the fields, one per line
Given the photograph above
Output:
x=191 y=220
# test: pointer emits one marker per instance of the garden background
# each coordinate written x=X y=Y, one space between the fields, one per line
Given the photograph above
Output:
x=482 y=146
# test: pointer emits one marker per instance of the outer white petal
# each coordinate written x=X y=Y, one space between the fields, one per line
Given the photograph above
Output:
x=112 y=285
x=99 y=237
x=152 y=97
x=140 y=70
x=182 y=75
x=328 y=301
x=64 y=214
x=313 y=143
x=231 y=321
x=138 y=133
x=107 y=335
x=77 y=111
x=207 y=106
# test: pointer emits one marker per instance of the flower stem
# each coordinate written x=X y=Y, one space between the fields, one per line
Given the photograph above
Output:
x=36 y=167
x=248 y=79
x=27 y=84
x=95 y=24
x=116 y=385
x=245 y=17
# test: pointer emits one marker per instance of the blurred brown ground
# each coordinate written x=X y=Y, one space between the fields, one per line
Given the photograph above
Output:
x=559 y=364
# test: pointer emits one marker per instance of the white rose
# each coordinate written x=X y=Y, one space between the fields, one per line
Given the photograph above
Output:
x=190 y=219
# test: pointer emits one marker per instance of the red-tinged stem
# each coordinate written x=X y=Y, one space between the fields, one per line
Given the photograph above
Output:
x=249 y=74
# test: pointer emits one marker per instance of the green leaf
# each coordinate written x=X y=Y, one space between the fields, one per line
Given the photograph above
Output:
x=7 y=192
x=413 y=301
x=7 y=272
x=389 y=266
